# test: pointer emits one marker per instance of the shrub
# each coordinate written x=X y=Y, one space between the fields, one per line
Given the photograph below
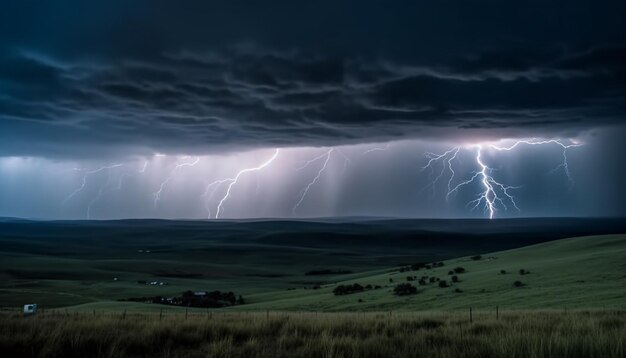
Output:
x=368 y=287
x=459 y=270
x=348 y=289
x=409 y=278
x=391 y=280
x=523 y=272
x=503 y=272
x=404 y=289
x=518 y=284
x=443 y=283
x=432 y=279
x=476 y=258
x=455 y=278
x=422 y=282
x=458 y=290
x=450 y=272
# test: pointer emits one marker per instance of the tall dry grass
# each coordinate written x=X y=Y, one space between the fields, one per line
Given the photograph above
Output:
x=514 y=334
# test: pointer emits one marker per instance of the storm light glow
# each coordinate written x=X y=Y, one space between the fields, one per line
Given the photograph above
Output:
x=466 y=180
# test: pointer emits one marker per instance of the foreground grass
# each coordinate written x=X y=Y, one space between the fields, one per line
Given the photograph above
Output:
x=512 y=334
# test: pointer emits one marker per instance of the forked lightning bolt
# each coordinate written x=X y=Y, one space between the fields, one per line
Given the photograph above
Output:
x=446 y=159
x=104 y=190
x=157 y=194
x=494 y=195
x=493 y=191
x=84 y=182
x=533 y=141
x=232 y=181
x=305 y=191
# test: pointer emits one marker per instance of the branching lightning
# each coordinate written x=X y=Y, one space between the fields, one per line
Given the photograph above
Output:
x=233 y=181
x=493 y=192
x=84 y=181
x=534 y=141
x=305 y=191
x=494 y=195
x=157 y=194
x=446 y=159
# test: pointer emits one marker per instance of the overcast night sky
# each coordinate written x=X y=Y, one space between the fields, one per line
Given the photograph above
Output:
x=244 y=109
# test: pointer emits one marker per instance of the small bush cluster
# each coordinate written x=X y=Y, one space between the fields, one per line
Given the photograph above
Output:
x=405 y=289
x=459 y=270
x=421 y=265
x=348 y=289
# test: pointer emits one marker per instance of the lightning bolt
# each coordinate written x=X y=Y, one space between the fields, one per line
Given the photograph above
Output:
x=100 y=194
x=126 y=174
x=489 y=196
x=346 y=161
x=145 y=166
x=304 y=192
x=377 y=149
x=445 y=158
x=209 y=196
x=103 y=189
x=157 y=194
x=563 y=146
x=84 y=182
x=232 y=181
x=494 y=194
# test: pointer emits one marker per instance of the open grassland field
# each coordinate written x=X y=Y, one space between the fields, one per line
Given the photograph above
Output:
x=513 y=334
x=91 y=265
x=578 y=272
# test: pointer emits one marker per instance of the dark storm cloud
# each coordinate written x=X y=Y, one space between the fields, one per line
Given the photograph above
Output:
x=115 y=77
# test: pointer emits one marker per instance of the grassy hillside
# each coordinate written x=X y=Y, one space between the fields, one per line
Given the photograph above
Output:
x=574 y=273
x=93 y=264
x=65 y=263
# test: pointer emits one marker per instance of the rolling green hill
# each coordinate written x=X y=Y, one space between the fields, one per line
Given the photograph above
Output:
x=583 y=272
x=271 y=263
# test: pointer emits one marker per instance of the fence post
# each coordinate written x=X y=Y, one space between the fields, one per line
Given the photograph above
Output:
x=470 y=314
x=186 y=312
x=497 y=313
x=94 y=312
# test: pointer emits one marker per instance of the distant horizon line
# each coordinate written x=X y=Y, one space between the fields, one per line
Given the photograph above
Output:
x=311 y=219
